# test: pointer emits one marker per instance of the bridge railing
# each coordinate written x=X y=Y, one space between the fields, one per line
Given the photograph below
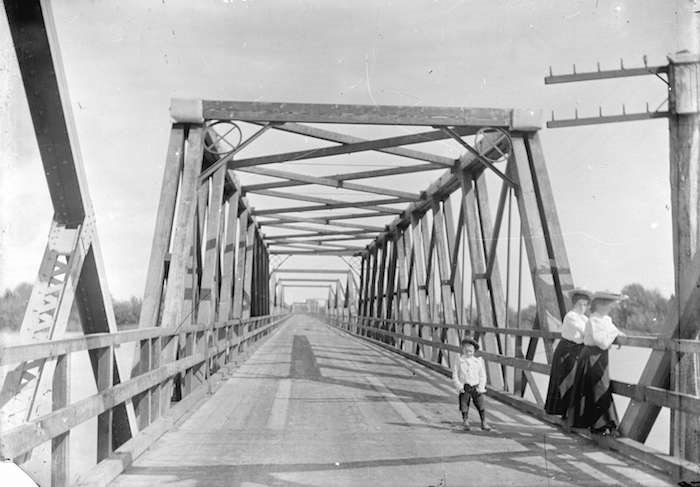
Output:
x=403 y=337
x=194 y=363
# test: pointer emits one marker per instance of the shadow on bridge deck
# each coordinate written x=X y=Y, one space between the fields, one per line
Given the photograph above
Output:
x=316 y=407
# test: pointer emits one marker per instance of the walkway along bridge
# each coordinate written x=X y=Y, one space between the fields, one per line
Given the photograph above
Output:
x=221 y=385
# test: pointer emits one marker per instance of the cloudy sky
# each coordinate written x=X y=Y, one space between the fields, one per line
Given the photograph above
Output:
x=124 y=60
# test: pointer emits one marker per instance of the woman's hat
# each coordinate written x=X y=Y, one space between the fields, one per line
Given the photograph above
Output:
x=608 y=296
x=580 y=292
x=470 y=341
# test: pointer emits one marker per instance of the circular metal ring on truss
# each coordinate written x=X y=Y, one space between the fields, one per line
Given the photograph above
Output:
x=483 y=148
x=222 y=135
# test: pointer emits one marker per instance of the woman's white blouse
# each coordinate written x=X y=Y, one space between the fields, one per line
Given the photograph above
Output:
x=573 y=326
x=600 y=331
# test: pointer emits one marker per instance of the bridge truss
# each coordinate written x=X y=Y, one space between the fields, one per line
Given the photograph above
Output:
x=423 y=268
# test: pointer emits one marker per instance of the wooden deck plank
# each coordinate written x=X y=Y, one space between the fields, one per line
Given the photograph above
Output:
x=346 y=423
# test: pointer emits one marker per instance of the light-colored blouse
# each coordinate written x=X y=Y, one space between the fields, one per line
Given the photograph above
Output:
x=600 y=331
x=469 y=370
x=573 y=326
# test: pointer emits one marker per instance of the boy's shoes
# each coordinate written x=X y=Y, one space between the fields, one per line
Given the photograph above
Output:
x=465 y=425
x=485 y=426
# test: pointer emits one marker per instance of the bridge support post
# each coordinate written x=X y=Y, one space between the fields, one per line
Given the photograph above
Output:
x=684 y=128
x=60 y=446
x=665 y=369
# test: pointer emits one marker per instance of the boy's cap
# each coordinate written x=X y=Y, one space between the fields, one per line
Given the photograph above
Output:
x=469 y=341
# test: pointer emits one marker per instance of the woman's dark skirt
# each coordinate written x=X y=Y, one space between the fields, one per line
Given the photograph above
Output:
x=561 y=377
x=591 y=404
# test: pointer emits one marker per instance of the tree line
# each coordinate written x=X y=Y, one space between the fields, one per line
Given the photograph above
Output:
x=13 y=302
x=646 y=310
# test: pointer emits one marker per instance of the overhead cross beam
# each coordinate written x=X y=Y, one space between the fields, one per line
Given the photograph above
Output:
x=311 y=271
x=330 y=201
x=306 y=279
x=330 y=136
x=376 y=173
x=284 y=221
x=314 y=246
x=381 y=210
x=350 y=234
x=354 y=114
x=336 y=150
x=322 y=181
x=334 y=252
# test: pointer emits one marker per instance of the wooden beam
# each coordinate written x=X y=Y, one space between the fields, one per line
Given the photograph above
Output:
x=314 y=252
x=325 y=239
x=445 y=184
x=314 y=246
x=229 y=259
x=535 y=239
x=475 y=240
x=289 y=279
x=319 y=233
x=316 y=286
x=324 y=181
x=38 y=54
x=238 y=288
x=561 y=270
x=355 y=114
x=283 y=220
x=419 y=281
x=311 y=271
x=376 y=173
x=224 y=160
x=368 y=145
x=302 y=209
x=447 y=335
x=248 y=274
x=173 y=315
x=60 y=444
x=329 y=204
x=339 y=216
x=330 y=136
x=684 y=142
x=493 y=280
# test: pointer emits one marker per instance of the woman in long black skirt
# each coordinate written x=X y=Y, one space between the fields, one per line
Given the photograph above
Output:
x=592 y=403
x=561 y=377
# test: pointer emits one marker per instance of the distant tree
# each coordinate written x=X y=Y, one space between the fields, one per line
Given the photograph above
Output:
x=644 y=310
x=127 y=312
x=12 y=305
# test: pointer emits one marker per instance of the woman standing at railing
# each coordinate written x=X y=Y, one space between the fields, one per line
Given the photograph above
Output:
x=561 y=377
x=592 y=403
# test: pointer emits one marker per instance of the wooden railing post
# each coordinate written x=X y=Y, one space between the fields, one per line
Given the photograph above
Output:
x=103 y=364
x=60 y=445
x=156 y=346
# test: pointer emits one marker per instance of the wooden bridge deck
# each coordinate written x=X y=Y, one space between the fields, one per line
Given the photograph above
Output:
x=315 y=407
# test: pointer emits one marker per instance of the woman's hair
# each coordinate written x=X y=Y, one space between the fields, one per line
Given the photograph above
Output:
x=579 y=297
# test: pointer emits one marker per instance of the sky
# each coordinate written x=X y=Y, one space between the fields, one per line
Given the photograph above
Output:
x=125 y=60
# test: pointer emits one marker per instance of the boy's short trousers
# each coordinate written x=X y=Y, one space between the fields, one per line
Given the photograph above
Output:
x=470 y=393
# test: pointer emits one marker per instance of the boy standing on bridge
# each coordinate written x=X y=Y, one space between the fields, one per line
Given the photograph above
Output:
x=469 y=377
